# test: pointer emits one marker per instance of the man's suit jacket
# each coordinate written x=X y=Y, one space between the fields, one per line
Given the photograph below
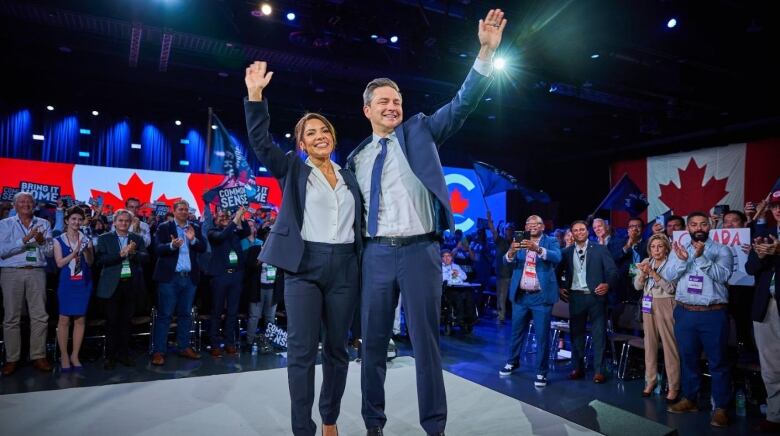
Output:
x=168 y=257
x=421 y=136
x=545 y=270
x=599 y=268
x=284 y=246
x=222 y=241
x=763 y=269
x=107 y=256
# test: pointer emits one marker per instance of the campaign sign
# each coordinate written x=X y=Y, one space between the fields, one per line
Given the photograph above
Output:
x=231 y=199
x=467 y=202
x=161 y=209
x=737 y=240
x=276 y=335
x=8 y=193
x=41 y=192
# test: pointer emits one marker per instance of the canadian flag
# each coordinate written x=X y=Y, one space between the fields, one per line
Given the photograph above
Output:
x=700 y=179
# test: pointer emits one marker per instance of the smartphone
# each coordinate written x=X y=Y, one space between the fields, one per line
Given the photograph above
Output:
x=520 y=235
x=660 y=219
x=720 y=209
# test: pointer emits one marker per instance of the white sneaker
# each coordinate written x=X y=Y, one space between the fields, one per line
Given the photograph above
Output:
x=541 y=381
x=508 y=369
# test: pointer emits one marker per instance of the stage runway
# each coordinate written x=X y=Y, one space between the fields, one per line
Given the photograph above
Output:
x=257 y=403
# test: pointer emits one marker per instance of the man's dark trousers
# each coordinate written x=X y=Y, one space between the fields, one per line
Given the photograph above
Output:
x=414 y=270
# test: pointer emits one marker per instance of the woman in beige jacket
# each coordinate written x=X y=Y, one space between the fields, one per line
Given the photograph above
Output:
x=657 y=309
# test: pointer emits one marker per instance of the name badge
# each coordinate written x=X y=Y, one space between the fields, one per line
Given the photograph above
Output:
x=233 y=257
x=32 y=253
x=125 y=273
x=647 y=304
x=695 y=284
x=270 y=273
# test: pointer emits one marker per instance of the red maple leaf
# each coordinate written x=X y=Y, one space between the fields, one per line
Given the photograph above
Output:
x=134 y=188
x=693 y=194
x=458 y=203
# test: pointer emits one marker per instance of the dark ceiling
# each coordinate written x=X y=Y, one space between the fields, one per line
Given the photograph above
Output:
x=711 y=80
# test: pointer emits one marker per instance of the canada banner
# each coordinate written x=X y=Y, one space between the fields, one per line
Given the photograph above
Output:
x=116 y=185
x=701 y=179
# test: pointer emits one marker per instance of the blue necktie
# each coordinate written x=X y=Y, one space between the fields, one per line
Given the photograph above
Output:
x=376 y=188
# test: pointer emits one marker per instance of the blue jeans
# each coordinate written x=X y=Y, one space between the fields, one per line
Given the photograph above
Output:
x=709 y=331
x=178 y=295
x=541 y=313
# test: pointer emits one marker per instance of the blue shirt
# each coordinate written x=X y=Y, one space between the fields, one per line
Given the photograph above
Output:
x=183 y=264
x=245 y=243
x=714 y=267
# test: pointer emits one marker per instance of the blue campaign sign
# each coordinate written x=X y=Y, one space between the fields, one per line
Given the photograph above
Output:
x=466 y=199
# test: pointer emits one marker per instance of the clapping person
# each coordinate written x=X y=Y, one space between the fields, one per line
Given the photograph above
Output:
x=73 y=254
x=227 y=269
x=25 y=242
x=657 y=316
x=178 y=244
x=315 y=240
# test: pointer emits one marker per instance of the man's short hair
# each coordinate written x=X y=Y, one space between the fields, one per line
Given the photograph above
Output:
x=697 y=213
x=368 y=93
x=583 y=222
x=132 y=199
x=21 y=194
x=636 y=218
x=676 y=218
x=123 y=212
x=446 y=251
x=739 y=213
x=184 y=202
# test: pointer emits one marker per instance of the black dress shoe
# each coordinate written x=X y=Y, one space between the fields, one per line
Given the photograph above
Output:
x=376 y=431
x=441 y=433
x=126 y=361
x=109 y=364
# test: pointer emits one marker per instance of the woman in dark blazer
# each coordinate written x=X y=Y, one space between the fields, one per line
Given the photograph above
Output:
x=316 y=240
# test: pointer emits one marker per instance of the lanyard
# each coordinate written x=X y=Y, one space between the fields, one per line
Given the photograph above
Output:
x=24 y=230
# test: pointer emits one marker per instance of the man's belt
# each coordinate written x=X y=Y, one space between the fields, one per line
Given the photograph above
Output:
x=703 y=308
x=400 y=241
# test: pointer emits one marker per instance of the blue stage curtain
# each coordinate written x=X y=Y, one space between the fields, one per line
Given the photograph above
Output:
x=16 y=135
x=113 y=147
x=61 y=140
x=195 y=152
x=155 y=149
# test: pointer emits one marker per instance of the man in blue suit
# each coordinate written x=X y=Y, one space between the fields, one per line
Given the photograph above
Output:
x=533 y=290
x=589 y=273
x=407 y=206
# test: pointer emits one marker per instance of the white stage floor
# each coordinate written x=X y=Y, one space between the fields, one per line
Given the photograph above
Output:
x=257 y=403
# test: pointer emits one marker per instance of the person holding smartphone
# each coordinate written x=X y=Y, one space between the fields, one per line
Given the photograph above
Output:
x=532 y=291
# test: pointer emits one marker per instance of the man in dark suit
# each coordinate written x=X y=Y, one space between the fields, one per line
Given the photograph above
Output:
x=121 y=254
x=764 y=263
x=177 y=244
x=226 y=269
x=589 y=273
x=400 y=175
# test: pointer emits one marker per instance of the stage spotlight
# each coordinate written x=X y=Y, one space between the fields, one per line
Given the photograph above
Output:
x=177 y=122
x=671 y=23
x=50 y=108
x=595 y=56
x=374 y=36
x=213 y=127
x=287 y=135
x=499 y=63
x=266 y=9
x=95 y=113
x=393 y=39
x=291 y=16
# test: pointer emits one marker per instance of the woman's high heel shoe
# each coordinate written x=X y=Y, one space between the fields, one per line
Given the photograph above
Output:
x=648 y=390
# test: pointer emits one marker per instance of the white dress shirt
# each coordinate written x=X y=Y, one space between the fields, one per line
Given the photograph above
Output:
x=14 y=252
x=579 y=274
x=329 y=213
x=405 y=208
x=447 y=274
x=143 y=231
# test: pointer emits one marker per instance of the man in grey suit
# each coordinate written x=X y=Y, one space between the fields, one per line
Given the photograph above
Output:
x=407 y=205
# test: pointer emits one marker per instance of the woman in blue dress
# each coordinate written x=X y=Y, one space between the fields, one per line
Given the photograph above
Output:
x=73 y=254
